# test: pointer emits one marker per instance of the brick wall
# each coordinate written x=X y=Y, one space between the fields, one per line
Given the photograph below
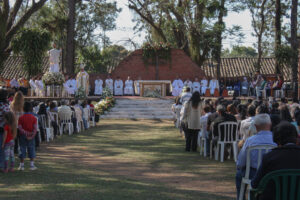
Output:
x=134 y=66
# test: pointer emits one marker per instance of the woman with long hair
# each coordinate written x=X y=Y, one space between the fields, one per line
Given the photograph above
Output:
x=285 y=114
x=16 y=107
x=191 y=117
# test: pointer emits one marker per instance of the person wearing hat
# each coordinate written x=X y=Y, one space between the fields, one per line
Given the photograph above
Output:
x=83 y=80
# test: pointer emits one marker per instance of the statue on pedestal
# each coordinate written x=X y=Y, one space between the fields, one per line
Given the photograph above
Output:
x=54 y=56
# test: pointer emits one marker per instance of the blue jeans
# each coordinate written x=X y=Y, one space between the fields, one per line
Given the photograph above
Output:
x=1 y=151
x=240 y=173
x=27 y=146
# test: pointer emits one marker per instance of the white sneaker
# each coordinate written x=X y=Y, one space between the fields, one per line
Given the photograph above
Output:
x=21 y=168
x=33 y=168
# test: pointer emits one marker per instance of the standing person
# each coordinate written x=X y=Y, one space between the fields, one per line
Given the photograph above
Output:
x=16 y=107
x=177 y=86
x=10 y=133
x=191 y=114
x=213 y=84
x=196 y=85
x=109 y=83
x=204 y=84
x=244 y=87
x=32 y=86
x=27 y=126
x=258 y=83
x=82 y=80
x=118 y=87
x=186 y=95
x=4 y=107
x=137 y=86
x=128 y=90
x=98 y=86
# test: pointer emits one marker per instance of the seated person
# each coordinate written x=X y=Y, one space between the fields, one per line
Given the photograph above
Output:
x=285 y=156
x=264 y=136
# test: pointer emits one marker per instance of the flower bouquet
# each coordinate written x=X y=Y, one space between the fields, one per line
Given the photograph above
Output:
x=106 y=93
x=80 y=93
x=53 y=78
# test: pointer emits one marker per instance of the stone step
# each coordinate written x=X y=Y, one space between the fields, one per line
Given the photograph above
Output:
x=140 y=109
x=136 y=117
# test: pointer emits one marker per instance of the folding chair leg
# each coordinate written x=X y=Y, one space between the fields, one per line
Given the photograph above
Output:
x=204 y=147
x=222 y=152
x=242 y=191
x=235 y=149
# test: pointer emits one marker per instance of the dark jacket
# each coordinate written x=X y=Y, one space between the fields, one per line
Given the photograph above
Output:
x=286 y=157
x=222 y=118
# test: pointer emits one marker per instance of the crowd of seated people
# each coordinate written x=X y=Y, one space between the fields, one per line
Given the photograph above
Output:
x=260 y=122
x=25 y=124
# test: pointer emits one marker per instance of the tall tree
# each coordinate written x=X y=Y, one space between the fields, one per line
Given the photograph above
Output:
x=277 y=32
x=70 y=46
x=10 y=23
x=295 y=46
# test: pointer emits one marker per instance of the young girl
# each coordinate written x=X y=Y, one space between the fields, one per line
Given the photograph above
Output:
x=10 y=132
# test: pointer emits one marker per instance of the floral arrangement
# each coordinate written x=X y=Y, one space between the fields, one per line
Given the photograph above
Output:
x=80 y=93
x=106 y=92
x=104 y=105
x=153 y=94
x=53 y=78
x=156 y=50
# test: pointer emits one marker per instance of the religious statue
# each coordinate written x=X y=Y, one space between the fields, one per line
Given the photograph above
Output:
x=54 y=56
x=83 y=80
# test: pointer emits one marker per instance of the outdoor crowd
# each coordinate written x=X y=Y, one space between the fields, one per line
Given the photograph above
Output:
x=251 y=123
x=25 y=124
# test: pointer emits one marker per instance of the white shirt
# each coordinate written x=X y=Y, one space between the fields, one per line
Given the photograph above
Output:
x=129 y=83
x=204 y=83
x=245 y=127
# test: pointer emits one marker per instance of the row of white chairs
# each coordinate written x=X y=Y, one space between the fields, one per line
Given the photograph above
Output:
x=64 y=123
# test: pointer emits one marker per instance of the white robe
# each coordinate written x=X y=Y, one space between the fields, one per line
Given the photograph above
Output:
x=32 y=84
x=204 y=84
x=196 y=86
x=54 y=55
x=14 y=83
x=68 y=87
x=72 y=86
x=137 y=87
x=177 y=86
x=110 y=84
x=40 y=88
x=189 y=84
x=118 y=88
x=128 y=90
x=98 y=87
x=213 y=84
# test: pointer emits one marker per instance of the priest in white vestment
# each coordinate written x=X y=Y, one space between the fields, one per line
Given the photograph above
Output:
x=128 y=90
x=32 y=86
x=118 y=87
x=189 y=84
x=196 y=86
x=137 y=86
x=14 y=83
x=40 y=88
x=82 y=79
x=98 y=86
x=213 y=84
x=109 y=83
x=73 y=85
x=54 y=56
x=177 y=86
x=204 y=84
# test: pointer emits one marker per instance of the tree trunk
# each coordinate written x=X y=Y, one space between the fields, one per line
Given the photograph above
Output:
x=277 y=33
x=294 y=45
x=260 y=52
x=70 y=46
x=219 y=38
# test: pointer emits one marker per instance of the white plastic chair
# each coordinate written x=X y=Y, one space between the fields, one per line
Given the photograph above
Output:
x=38 y=129
x=66 y=121
x=261 y=149
x=230 y=136
x=54 y=116
x=202 y=137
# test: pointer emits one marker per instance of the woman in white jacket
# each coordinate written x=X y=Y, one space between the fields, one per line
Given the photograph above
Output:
x=191 y=116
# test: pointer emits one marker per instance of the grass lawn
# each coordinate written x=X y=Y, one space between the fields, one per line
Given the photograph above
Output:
x=121 y=159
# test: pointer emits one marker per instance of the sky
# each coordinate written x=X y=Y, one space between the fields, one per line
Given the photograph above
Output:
x=125 y=28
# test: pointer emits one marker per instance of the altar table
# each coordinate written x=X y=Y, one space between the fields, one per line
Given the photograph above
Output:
x=150 y=86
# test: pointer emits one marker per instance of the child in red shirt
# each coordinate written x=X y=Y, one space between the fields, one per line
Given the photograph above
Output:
x=10 y=132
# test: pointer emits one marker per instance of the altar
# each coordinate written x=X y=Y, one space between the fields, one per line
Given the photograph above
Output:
x=153 y=86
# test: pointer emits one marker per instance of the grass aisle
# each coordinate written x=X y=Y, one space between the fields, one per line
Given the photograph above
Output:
x=121 y=159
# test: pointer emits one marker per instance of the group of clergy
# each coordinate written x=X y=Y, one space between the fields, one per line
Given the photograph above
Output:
x=117 y=87
x=195 y=86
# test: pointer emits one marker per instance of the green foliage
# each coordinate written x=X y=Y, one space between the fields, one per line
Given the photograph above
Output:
x=157 y=50
x=102 y=61
x=240 y=51
x=32 y=44
x=284 y=54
